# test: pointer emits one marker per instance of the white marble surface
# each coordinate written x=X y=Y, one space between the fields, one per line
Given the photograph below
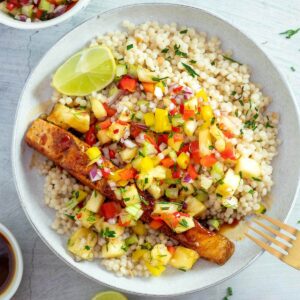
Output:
x=45 y=276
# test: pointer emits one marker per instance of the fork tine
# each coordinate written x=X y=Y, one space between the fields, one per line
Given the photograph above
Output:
x=271 y=239
x=274 y=231
x=279 y=224
x=265 y=246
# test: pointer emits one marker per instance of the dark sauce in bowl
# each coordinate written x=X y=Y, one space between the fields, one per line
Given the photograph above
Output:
x=7 y=263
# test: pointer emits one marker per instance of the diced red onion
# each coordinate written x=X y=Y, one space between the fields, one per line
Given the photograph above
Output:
x=129 y=144
x=59 y=10
x=187 y=178
x=140 y=139
x=36 y=2
x=162 y=147
x=116 y=97
x=22 y=18
x=99 y=162
x=95 y=174
x=105 y=151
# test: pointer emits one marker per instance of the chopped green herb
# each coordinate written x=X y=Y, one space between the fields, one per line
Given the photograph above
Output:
x=70 y=217
x=146 y=246
x=293 y=69
x=231 y=59
x=146 y=180
x=298 y=222
x=182 y=269
x=159 y=79
x=108 y=233
x=87 y=247
x=184 y=223
x=126 y=199
x=165 y=50
x=91 y=219
x=289 y=33
x=212 y=122
x=241 y=131
x=185 y=188
x=183 y=31
x=211 y=147
x=190 y=70
x=219 y=195
x=178 y=52
x=236 y=113
x=141 y=154
x=129 y=47
x=165 y=208
x=120 y=59
x=241 y=174
x=256 y=179
x=124 y=248
x=213 y=63
x=233 y=93
x=251 y=192
x=192 y=61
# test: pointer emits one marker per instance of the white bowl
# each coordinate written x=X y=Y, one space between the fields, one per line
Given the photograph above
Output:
x=9 y=21
x=16 y=280
x=37 y=90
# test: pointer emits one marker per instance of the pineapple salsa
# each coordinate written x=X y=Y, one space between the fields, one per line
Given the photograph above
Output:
x=35 y=10
x=168 y=131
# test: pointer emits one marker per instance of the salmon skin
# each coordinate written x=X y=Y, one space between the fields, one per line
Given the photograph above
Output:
x=68 y=152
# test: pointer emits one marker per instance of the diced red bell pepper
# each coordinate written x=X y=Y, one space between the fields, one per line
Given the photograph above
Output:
x=228 y=134
x=178 y=137
x=127 y=83
x=170 y=219
x=229 y=152
x=177 y=89
x=176 y=173
x=151 y=140
x=71 y=5
x=181 y=108
x=105 y=173
x=112 y=153
x=192 y=171
x=173 y=111
x=135 y=131
x=162 y=138
x=127 y=174
x=184 y=148
x=148 y=87
x=109 y=110
x=90 y=136
x=188 y=113
x=156 y=224
x=105 y=124
x=38 y=13
x=176 y=129
x=194 y=150
x=122 y=122
x=171 y=249
x=110 y=209
x=10 y=6
x=208 y=160
x=125 y=224
x=167 y=162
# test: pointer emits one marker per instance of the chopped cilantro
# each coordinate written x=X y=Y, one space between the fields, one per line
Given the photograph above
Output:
x=129 y=47
x=229 y=291
x=178 y=52
x=219 y=195
x=184 y=223
x=298 y=222
x=211 y=147
x=213 y=119
x=251 y=191
x=183 y=31
x=182 y=269
x=233 y=93
x=190 y=70
x=141 y=154
x=159 y=79
x=256 y=179
x=87 y=247
x=231 y=59
x=70 y=217
x=289 y=33
x=192 y=61
x=108 y=233
x=91 y=219
x=293 y=69
x=146 y=180
x=165 y=50
x=126 y=199
x=124 y=248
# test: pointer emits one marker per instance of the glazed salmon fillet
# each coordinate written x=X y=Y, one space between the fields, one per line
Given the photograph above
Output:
x=68 y=152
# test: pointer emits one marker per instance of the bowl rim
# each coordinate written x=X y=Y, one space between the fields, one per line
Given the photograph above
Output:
x=10 y=22
x=17 y=277
x=119 y=8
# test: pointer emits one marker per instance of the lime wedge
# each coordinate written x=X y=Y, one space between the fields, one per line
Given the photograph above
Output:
x=109 y=295
x=87 y=71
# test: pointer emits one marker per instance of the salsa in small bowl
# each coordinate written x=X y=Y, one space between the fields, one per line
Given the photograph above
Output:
x=37 y=14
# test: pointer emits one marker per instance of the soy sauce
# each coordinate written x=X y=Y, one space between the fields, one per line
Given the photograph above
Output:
x=7 y=263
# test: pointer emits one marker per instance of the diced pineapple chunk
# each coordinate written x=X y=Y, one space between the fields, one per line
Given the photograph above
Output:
x=190 y=127
x=183 y=160
x=155 y=270
x=191 y=104
x=175 y=145
x=144 y=181
x=144 y=75
x=205 y=182
x=230 y=202
x=160 y=254
x=248 y=168
x=95 y=202
x=149 y=119
x=125 y=115
x=204 y=142
x=137 y=255
x=195 y=208
x=137 y=163
x=187 y=189
x=135 y=211
x=103 y=136
x=184 y=258
x=66 y=117
x=77 y=197
x=162 y=122
x=229 y=185
x=111 y=231
x=98 y=108
x=165 y=207
x=87 y=218
x=113 y=249
x=185 y=223
x=130 y=195
x=116 y=131
x=139 y=228
x=216 y=132
x=217 y=171
x=128 y=154
x=207 y=113
x=82 y=242
x=148 y=149
x=155 y=190
x=146 y=164
x=159 y=172
x=126 y=219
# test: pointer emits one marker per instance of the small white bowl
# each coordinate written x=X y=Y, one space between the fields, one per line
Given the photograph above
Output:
x=9 y=21
x=16 y=280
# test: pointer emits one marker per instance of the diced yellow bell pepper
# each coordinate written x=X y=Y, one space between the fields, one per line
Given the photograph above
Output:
x=155 y=270
x=139 y=228
x=175 y=145
x=162 y=122
x=137 y=255
x=149 y=119
x=202 y=94
x=207 y=113
x=93 y=153
x=146 y=164
x=183 y=160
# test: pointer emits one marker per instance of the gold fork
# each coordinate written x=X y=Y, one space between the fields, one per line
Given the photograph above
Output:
x=289 y=250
